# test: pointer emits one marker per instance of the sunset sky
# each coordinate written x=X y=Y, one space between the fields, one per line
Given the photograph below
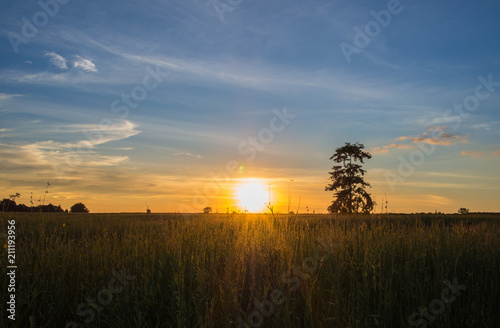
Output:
x=179 y=104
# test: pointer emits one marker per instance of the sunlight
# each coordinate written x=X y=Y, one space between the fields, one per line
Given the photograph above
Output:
x=252 y=195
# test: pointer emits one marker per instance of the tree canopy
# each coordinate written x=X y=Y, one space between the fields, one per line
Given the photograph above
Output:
x=9 y=205
x=79 y=208
x=348 y=180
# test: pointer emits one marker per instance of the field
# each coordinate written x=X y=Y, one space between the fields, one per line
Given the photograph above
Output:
x=218 y=270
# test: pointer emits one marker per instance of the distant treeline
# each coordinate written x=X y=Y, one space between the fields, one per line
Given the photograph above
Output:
x=8 y=205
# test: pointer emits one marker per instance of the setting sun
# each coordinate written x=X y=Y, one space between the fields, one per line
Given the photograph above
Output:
x=252 y=196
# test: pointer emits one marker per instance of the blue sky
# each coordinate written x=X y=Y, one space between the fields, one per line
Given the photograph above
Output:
x=122 y=103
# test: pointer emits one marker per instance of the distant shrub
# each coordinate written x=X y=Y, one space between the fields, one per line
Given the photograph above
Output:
x=463 y=210
x=79 y=208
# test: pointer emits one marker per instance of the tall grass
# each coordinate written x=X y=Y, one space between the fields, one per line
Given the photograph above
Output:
x=209 y=270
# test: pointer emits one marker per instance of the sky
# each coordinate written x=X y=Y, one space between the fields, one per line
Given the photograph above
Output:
x=177 y=105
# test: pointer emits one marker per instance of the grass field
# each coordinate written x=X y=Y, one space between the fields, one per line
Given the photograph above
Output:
x=134 y=270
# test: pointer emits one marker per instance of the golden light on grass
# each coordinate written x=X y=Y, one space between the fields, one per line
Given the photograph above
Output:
x=252 y=195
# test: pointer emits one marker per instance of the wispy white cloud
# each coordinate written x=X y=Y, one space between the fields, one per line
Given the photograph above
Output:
x=84 y=64
x=485 y=126
x=188 y=155
x=36 y=77
x=100 y=134
x=438 y=128
x=246 y=74
x=57 y=60
x=6 y=96
x=64 y=158
x=265 y=77
x=74 y=74
x=4 y=133
x=81 y=150
x=71 y=77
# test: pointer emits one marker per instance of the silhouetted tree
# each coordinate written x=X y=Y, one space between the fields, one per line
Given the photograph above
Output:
x=463 y=210
x=207 y=210
x=50 y=208
x=348 y=180
x=22 y=208
x=79 y=208
x=7 y=205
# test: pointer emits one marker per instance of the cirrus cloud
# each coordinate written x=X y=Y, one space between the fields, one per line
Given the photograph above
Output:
x=84 y=64
x=188 y=155
x=57 y=60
